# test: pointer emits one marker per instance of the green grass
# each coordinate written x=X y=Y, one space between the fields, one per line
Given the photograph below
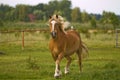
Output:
x=35 y=61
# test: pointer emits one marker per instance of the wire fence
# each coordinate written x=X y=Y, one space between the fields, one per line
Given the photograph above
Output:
x=23 y=36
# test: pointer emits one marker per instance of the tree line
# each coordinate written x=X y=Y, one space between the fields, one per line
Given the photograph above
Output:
x=41 y=12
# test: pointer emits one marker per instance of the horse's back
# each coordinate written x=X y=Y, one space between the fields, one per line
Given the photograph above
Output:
x=74 y=34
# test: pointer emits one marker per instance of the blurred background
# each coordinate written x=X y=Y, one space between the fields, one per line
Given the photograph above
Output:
x=81 y=13
x=24 y=38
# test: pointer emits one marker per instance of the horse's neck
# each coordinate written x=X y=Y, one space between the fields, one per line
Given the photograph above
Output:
x=61 y=35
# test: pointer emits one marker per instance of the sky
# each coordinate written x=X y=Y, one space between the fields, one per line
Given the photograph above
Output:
x=90 y=6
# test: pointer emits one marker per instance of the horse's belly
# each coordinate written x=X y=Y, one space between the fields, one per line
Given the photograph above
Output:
x=71 y=50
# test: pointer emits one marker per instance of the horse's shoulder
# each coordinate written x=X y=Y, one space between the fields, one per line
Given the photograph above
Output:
x=72 y=34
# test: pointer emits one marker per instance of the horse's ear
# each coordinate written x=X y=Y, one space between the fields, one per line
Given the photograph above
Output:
x=50 y=17
x=56 y=16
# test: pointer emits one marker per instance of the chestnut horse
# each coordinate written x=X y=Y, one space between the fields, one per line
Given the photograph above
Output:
x=64 y=44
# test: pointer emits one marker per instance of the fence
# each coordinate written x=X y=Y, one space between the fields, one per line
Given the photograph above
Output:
x=22 y=32
x=117 y=37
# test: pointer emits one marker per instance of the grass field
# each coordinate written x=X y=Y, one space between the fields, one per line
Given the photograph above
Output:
x=35 y=61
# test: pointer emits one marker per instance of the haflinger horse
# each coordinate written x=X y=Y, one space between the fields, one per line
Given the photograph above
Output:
x=64 y=44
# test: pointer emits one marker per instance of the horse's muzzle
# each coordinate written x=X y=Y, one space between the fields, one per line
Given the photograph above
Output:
x=53 y=34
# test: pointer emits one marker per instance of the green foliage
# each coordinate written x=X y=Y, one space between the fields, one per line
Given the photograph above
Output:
x=93 y=22
x=4 y=9
x=109 y=18
x=22 y=11
x=76 y=15
x=1 y=23
x=63 y=6
x=85 y=16
x=39 y=14
x=41 y=11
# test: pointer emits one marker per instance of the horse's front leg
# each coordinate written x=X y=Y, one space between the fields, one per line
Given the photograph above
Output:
x=57 y=69
x=68 y=64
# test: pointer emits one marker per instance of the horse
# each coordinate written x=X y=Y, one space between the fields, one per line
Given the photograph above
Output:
x=63 y=44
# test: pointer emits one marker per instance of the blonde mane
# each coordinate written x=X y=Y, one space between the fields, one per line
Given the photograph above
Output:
x=65 y=24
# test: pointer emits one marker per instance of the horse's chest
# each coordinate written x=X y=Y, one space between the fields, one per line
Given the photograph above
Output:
x=55 y=50
x=56 y=47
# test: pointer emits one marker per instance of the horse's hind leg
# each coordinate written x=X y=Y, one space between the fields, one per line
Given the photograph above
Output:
x=68 y=64
x=79 y=53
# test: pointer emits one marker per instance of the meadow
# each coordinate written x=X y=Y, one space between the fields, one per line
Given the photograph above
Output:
x=35 y=61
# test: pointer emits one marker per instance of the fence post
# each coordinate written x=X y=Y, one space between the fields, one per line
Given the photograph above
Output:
x=117 y=37
x=22 y=40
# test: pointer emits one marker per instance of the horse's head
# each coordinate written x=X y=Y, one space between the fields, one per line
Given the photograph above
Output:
x=55 y=25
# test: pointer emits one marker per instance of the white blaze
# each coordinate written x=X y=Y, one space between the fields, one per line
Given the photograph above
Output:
x=53 y=24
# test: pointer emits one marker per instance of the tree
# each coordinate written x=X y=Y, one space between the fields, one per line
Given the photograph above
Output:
x=40 y=6
x=39 y=14
x=114 y=20
x=22 y=11
x=65 y=6
x=1 y=23
x=93 y=22
x=52 y=6
x=109 y=18
x=76 y=15
x=10 y=15
x=3 y=10
x=85 y=17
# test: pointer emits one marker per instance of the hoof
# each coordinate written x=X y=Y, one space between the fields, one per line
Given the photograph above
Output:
x=57 y=77
x=66 y=73
x=66 y=70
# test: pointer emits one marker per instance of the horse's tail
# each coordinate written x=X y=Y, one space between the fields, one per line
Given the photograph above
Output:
x=85 y=52
x=82 y=53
